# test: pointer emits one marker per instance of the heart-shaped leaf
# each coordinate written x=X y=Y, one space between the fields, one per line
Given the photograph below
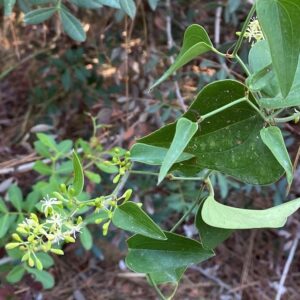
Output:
x=148 y=255
x=195 y=42
x=228 y=142
x=168 y=276
x=129 y=216
x=279 y=20
x=219 y=215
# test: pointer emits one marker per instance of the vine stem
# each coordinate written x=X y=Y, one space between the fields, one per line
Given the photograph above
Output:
x=169 y=176
x=244 y=28
x=199 y=199
x=287 y=119
x=158 y=291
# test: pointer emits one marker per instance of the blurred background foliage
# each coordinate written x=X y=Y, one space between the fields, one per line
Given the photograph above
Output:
x=95 y=95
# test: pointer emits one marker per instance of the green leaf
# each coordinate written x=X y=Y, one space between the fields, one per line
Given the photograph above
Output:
x=65 y=147
x=111 y=3
x=4 y=225
x=44 y=277
x=92 y=4
x=109 y=169
x=41 y=149
x=210 y=236
x=153 y=4
x=46 y=260
x=16 y=274
x=148 y=255
x=78 y=175
x=218 y=215
x=153 y=155
x=129 y=216
x=39 y=15
x=129 y=7
x=72 y=25
x=3 y=207
x=195 y=42
x=168 y=276
x=93 y=177
x=31 y=200
x=8 y=7
x=15 y=197
x=228 y=142
x=185 y=130
x=47 y=141
x=86 y=238
x=260 y=61
x=279 y=20
x=42 y=168
x=273 y=139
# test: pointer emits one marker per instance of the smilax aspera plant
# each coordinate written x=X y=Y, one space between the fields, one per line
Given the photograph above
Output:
x=231 y=127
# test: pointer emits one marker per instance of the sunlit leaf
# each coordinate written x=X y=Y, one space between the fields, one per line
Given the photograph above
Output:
x=219 y=215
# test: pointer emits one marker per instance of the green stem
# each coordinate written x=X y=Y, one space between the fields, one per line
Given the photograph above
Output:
x=214 y=112
x=243 y=65
x=241 y=37
x=287 y=119
x=169 y=176
x=158 y=291
x=258 y=110
x=199 y=199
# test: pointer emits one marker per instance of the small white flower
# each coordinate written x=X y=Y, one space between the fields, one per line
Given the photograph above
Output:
x=56 y=219
x=47 y=203
x=254 y=31
x=58 y=236
x=74 y=229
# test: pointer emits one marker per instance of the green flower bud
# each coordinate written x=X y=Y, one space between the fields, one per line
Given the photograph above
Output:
x=57 y=251
x=105 y=228
x=127 y=195
x=16 y=237
x=116 y=179
x=63 y=188
x=38 y=264
x=30 y=262
x=69 y=239
x=11 y=246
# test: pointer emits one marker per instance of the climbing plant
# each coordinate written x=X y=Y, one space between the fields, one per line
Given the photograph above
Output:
x=231 y=127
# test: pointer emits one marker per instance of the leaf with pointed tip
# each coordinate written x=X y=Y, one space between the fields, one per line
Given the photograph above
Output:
x=72 y=25
x=228 y=142
x=148 y=255
x=111 y=3
x=195 y=42
x=129 y=7
x=86 y=238
x=210 y=236
x=168 y=276
x=92 y=4
x=129 y=216
x=153 y=4
x=39 y=15
x=273 y=139
x=185 y=130
x=219 y=215
x=15 y=197
x=279 y=20
x=152 y=155
x=78 y=175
